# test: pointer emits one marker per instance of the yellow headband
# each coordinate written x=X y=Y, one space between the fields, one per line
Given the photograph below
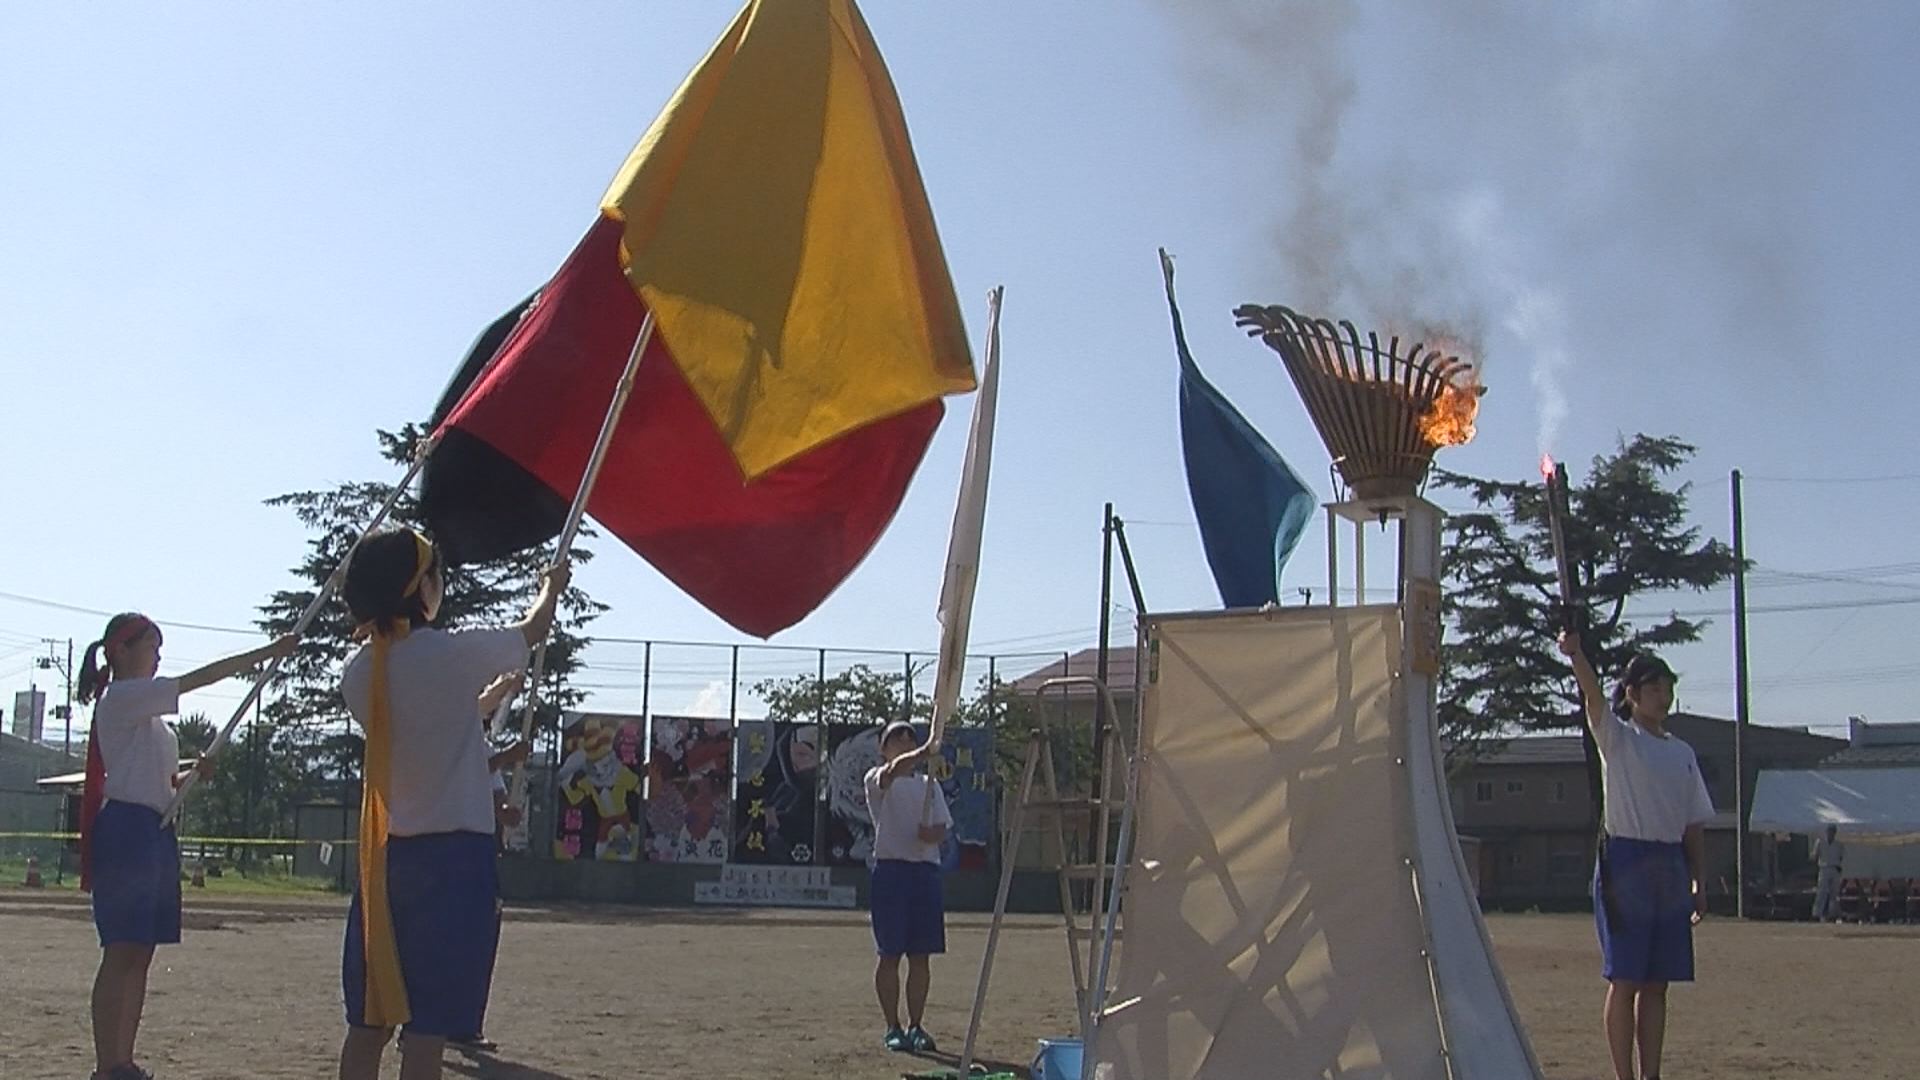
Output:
x=423 y=562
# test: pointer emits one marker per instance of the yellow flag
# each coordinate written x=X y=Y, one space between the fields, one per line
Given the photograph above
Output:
x=775 y=223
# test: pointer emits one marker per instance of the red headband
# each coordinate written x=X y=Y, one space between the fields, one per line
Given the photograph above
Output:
x=130 y=631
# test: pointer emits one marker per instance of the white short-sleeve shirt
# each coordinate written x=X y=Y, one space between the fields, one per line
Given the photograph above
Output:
x=1652 y=783
x=137 y=746
x=897 y=816
x=440 y=780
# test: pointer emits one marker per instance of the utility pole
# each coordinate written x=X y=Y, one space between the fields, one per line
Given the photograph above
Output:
x=51 y=662
x=1740 y=702
x=1100 y=717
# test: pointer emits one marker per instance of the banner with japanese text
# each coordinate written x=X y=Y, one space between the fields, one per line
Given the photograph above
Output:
x=778 y=766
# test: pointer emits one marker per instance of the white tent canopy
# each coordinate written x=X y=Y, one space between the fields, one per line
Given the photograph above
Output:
x=1869 y=805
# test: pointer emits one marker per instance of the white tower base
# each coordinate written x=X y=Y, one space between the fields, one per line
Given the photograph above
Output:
x=1296 y=901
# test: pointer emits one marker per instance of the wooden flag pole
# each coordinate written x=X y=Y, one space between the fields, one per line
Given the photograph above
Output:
x=327 y=590
x=621 y=392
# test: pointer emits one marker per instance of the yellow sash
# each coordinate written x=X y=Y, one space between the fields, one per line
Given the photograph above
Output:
x=386 y=1002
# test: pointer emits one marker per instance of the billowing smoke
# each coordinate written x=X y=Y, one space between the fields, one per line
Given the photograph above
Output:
x=1569 y=182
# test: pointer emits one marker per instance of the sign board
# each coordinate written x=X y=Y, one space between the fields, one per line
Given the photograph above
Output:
x=29 y=714
x=774 y=886
x=1423 y=629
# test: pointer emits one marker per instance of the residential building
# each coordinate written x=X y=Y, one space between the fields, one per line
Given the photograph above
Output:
x=1525 y=810
x=1530 y=806
x=25 y=804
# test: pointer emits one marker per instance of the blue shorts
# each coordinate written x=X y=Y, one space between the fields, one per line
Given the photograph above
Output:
x=136 y=877
x=909 y=913
x=1643 y=909
x=441 y=888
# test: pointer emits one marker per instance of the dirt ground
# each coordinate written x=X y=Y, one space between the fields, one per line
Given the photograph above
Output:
x=584 y=994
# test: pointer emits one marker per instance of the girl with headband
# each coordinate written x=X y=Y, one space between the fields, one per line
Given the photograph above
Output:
x=129 y=862
x=416 y=945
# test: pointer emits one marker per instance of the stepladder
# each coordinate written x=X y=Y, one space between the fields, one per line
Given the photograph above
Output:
x=1070 y=817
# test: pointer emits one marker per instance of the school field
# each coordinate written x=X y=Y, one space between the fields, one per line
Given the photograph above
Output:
x=589 y=993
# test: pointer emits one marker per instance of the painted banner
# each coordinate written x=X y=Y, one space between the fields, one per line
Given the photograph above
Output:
x=599 y=787
x=851 y=751
x=778 y=765
x=689 y=785
x=968 y=786
x=965 y=772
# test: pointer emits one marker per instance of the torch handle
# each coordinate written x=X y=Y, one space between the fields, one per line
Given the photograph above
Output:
x=1557 y=513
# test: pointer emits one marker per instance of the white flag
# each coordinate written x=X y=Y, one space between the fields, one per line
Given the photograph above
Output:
x=969 y=521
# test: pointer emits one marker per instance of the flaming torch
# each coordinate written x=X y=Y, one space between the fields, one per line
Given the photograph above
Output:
x=1555 y=476
x=1382 y=407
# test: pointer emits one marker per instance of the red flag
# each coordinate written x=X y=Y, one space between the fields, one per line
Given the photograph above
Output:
x=772 y=220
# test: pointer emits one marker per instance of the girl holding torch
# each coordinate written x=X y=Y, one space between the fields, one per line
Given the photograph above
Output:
x=1649 y=880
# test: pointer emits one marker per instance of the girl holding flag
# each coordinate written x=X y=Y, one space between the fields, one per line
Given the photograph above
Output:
x=128 y=861
x=416 y=950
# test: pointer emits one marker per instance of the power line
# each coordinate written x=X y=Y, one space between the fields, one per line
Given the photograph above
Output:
x=18 y=649
x=1076 y=633
x=1808 y=578
x=58 y=606
x=1893 y=674
x=1779 y=609
x=1889 y=478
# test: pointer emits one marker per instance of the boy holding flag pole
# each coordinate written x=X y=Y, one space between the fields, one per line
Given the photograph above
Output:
x=907 y=909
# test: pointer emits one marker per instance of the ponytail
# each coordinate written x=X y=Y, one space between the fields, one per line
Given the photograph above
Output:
x=93 y=678
x=123 y=629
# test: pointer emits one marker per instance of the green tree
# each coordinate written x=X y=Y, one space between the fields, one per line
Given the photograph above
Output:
x=1628 y=538
x=196 y=733
x=860 y=695
x=252 y=791
x=306 y=719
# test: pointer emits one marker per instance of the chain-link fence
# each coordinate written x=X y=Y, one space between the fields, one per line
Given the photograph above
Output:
x=750 y=690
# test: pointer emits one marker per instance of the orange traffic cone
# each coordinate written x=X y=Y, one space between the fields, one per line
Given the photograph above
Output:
x=33 y=872
x=199 y=874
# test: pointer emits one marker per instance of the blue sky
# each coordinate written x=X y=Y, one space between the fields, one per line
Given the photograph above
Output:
x=235 y=238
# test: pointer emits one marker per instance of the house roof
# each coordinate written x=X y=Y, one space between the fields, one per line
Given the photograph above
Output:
x=1870 y=756
x=1864 y=732
x=1120 y=672
x=1536 y=750
x=77 y=780
x=1871 y=744
x=13 y=746
x=1713 y=735
x=1708 y=735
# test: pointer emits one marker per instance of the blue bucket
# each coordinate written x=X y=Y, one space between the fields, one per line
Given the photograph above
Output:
x=1057 y=1059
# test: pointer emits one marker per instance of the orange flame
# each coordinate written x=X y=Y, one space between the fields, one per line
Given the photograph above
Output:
x=1449 y=420
x=1546 y=467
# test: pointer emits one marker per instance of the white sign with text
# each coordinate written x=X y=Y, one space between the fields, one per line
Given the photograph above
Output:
x=774 y=886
